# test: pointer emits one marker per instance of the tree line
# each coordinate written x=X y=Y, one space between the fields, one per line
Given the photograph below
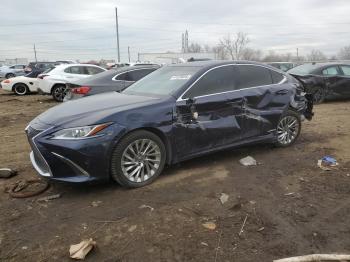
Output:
x=236 y=47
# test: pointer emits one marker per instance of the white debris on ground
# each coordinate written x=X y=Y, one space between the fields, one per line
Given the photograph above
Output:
x=248 y=161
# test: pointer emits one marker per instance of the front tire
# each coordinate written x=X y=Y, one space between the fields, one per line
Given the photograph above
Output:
x=138 y=159
x=21 y=89
x=288 y=129
x=58 y=92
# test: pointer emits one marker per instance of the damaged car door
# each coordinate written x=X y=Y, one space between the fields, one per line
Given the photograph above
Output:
x=265 y=98
x=343 y=88
x=206 y=117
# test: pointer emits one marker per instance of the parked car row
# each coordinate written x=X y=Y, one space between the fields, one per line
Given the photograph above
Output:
x=173 y=114
x=323 y=80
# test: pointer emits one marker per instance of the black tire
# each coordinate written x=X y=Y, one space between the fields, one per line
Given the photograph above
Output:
x=290 y=114
x=58 y=92
x=319 y=96
x=21 y=89
x=10 y=75
x=117 y=154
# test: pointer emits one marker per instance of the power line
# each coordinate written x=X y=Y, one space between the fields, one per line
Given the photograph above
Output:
x=54 y=22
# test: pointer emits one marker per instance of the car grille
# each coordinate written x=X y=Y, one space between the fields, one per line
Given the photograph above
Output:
x=39 y=159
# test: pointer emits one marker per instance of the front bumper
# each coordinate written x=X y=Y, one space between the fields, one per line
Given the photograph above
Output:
x=69 y=160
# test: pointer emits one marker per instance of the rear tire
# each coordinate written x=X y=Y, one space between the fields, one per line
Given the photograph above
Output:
x=9 y=75
x=319 y=96
x=288 y=129
x=138 y=159
x=59 y=92
x=21 y=89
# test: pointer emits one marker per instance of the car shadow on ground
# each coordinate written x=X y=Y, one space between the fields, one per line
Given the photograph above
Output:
x=205 y=162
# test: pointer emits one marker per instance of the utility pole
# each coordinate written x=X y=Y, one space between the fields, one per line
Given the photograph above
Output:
x=186 y=41
x=35 y=54
x=297 y=54
x=183 y=43
x=129 y=53
x=117 y=31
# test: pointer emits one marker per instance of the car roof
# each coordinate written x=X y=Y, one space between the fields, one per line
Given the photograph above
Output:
x=214 y=63
x=69 y=65
x=129 y=68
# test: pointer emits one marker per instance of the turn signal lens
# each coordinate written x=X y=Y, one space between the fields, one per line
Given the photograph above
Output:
x=7 y=81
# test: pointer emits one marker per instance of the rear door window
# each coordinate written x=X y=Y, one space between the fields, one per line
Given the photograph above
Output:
x=346 y=70
x=252 y=76
x=136 y=75
x=330 y=71
x=276 y=77
x=217 y=80
x=91 y=70
x=79 y=70
x=122 y=77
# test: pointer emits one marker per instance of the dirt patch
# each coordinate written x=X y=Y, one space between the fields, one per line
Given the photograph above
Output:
x=291 y=206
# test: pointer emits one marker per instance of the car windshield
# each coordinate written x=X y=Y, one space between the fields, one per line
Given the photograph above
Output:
x=164 y=81
x=303 y=69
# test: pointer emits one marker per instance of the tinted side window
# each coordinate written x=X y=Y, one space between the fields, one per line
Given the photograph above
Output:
x=251 y=75
x=122 y=77
x=91 y=70
x=75 y=70
x=330 y=71
x=276 y=77
x=346 y=70
x=138 y=74
x=218 y=80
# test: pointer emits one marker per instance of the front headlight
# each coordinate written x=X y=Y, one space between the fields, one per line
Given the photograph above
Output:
x=80 y=132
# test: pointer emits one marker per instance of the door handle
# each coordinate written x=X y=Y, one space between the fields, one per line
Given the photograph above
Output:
x=282 y=92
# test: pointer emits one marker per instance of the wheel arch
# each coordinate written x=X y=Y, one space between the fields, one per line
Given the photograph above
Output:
x=19 y=83
x=56 y=84
x=158 y=133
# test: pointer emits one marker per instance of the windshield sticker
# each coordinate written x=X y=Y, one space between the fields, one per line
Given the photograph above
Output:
x=181 y=77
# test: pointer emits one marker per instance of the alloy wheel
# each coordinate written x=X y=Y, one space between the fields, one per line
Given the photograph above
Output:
x=59 y=93
x=20 y=89
x=287 y=130
x=141 y=160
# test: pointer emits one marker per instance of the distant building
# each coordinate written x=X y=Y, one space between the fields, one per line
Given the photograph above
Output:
x=14 y=61
x=173 y=58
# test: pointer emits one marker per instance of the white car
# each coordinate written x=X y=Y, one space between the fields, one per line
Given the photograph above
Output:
x=53 y=82
x=20 y=85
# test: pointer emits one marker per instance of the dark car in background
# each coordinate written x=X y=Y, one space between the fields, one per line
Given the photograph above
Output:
x=176 y=113
x=111 y=80
x=36 y=68
x=284 y=66
x=324 y=80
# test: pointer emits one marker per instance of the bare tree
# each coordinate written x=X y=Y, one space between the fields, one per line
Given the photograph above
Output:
x=251 y=54
x=220 y=52
x=272 y=57
x=316 y=55
x=235 y=45
x=194 y=48
x=344 y=53
x=207 y=48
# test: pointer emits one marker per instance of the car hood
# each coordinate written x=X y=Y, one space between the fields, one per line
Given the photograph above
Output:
x=93 y=109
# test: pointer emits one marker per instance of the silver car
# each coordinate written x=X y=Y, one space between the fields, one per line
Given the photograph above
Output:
x=12 y=71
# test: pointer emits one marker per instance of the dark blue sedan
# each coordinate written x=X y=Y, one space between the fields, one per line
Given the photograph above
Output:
x=175 y=113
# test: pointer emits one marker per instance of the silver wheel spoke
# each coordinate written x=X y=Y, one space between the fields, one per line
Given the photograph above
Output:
x=287 y=129
x=141 y=160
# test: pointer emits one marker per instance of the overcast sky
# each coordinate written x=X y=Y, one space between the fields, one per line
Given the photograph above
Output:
x=85 y=29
